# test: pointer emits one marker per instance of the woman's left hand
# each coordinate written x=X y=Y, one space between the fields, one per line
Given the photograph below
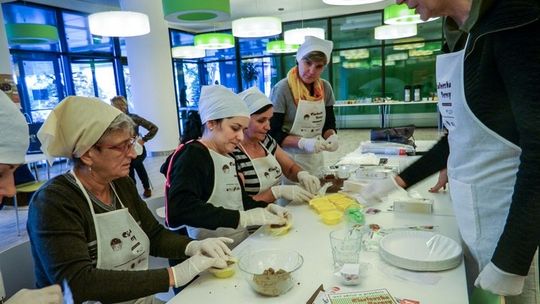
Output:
x=332 y=143
x=212 y=247
x=308 y=181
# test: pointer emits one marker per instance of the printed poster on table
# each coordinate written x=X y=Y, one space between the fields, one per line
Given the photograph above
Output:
x=376 y=296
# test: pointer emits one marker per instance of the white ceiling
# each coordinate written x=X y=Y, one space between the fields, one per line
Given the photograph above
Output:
x=292 y=10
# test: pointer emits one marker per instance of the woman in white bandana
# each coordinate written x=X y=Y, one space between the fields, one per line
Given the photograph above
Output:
x=304 y=123
x=13 y=146
x=261 y=161
x=203 y=188
x=90 y=227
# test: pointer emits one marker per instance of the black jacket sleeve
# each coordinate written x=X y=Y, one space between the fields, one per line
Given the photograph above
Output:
x=330 y=120
x=431 y=162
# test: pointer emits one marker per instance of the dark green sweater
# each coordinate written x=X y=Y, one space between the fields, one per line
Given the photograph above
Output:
x=62 y=235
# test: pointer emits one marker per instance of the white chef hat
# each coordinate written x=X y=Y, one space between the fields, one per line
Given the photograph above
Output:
x=218 y=102
x=75 y=125
x=14 y=134
x=315 y=44
x=255 y=99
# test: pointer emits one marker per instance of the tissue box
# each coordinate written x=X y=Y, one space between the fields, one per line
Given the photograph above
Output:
x=414 y=206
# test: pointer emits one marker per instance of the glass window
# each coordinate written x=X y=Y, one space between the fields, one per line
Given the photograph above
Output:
x=357 y=74
x=42 y=84
x=78 y=35
x=181 y=38
x=254 y=46
x=222 y=72
x=27 y=13
x=414 y=68
x=93 y=78
x=355 y=31
x=259 y=72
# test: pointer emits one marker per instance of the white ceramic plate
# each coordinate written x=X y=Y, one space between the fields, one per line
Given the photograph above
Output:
x=420 y=250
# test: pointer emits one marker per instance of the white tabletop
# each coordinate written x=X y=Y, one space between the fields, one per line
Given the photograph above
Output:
x=310 y=237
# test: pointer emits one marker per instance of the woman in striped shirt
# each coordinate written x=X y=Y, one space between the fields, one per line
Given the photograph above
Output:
x=261 y=162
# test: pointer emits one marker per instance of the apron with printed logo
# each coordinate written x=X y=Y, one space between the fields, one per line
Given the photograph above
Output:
x=308 y=123
x=267 y=168
x=227 y=193
x=121 y=243
x=482 y=165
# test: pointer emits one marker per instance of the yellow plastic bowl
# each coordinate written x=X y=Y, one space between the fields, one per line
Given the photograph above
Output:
x=226 y=272
x=331 y=217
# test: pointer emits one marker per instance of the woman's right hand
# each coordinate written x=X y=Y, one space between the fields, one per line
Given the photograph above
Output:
x=48 y=295
x=259 y=217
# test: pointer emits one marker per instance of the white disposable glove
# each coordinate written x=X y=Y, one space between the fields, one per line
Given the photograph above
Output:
x=292 y=193
x=308 y=181
x=259 y=217
x=279 y=211
x=188 y=269
x=212 y=247
x=376 y=190
x=51 y=294
x=311 y=145
x=332 y=143
x=499 y=282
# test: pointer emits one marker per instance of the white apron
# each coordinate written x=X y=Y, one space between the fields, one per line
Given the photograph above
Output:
x=267 y=168
x=227 y=193
x=482 y=165
x=308 y=123
x=121 y=243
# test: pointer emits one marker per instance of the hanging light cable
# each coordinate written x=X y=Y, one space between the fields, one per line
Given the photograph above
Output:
x=298 y=35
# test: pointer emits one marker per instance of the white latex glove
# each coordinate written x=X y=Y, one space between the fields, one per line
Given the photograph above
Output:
x=138 y=148
x=212 y=247
x=48 y=295
x=259 y=217
x=311 y=145
x=376 y=190
x=499 y=282
x=292 y=193
x=278 y=210
x=308 y=181
x=188 y=269
x=332 y=143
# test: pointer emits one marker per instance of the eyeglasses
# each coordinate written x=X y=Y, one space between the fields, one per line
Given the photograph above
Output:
x=123 y=147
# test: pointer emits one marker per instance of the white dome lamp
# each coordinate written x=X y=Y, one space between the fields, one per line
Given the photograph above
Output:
x=188 y=52
x=297 y=36
x=119 y=24
x=254 y=27
x=385 y=32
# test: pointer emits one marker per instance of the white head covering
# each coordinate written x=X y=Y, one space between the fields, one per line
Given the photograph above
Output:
x=14 y=136
x=255 y=99
x=218 y=102
x=315 y=44
x=75 y=125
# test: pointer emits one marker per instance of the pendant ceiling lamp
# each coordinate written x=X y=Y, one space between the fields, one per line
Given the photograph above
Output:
x=31 y=33
x=256 y=27
x=297 y=36
x=280 y=47
x=188 y=52
x=385 y=32
x=214 y=41
x=401 y=14
x=350 y=2
x=184 y=11
x=119 y=24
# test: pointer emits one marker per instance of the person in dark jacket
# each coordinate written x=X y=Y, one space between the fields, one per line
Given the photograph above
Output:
x=488 y=99
x=137 y=164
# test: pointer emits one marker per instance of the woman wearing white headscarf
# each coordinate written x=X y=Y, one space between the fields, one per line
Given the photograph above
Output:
x=261 y=161
x=90 y=227
x=304 y=123
x=203 y=189
x=13 y=146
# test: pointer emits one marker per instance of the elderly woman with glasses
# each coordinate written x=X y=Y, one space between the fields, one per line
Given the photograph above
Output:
x=90 y=227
